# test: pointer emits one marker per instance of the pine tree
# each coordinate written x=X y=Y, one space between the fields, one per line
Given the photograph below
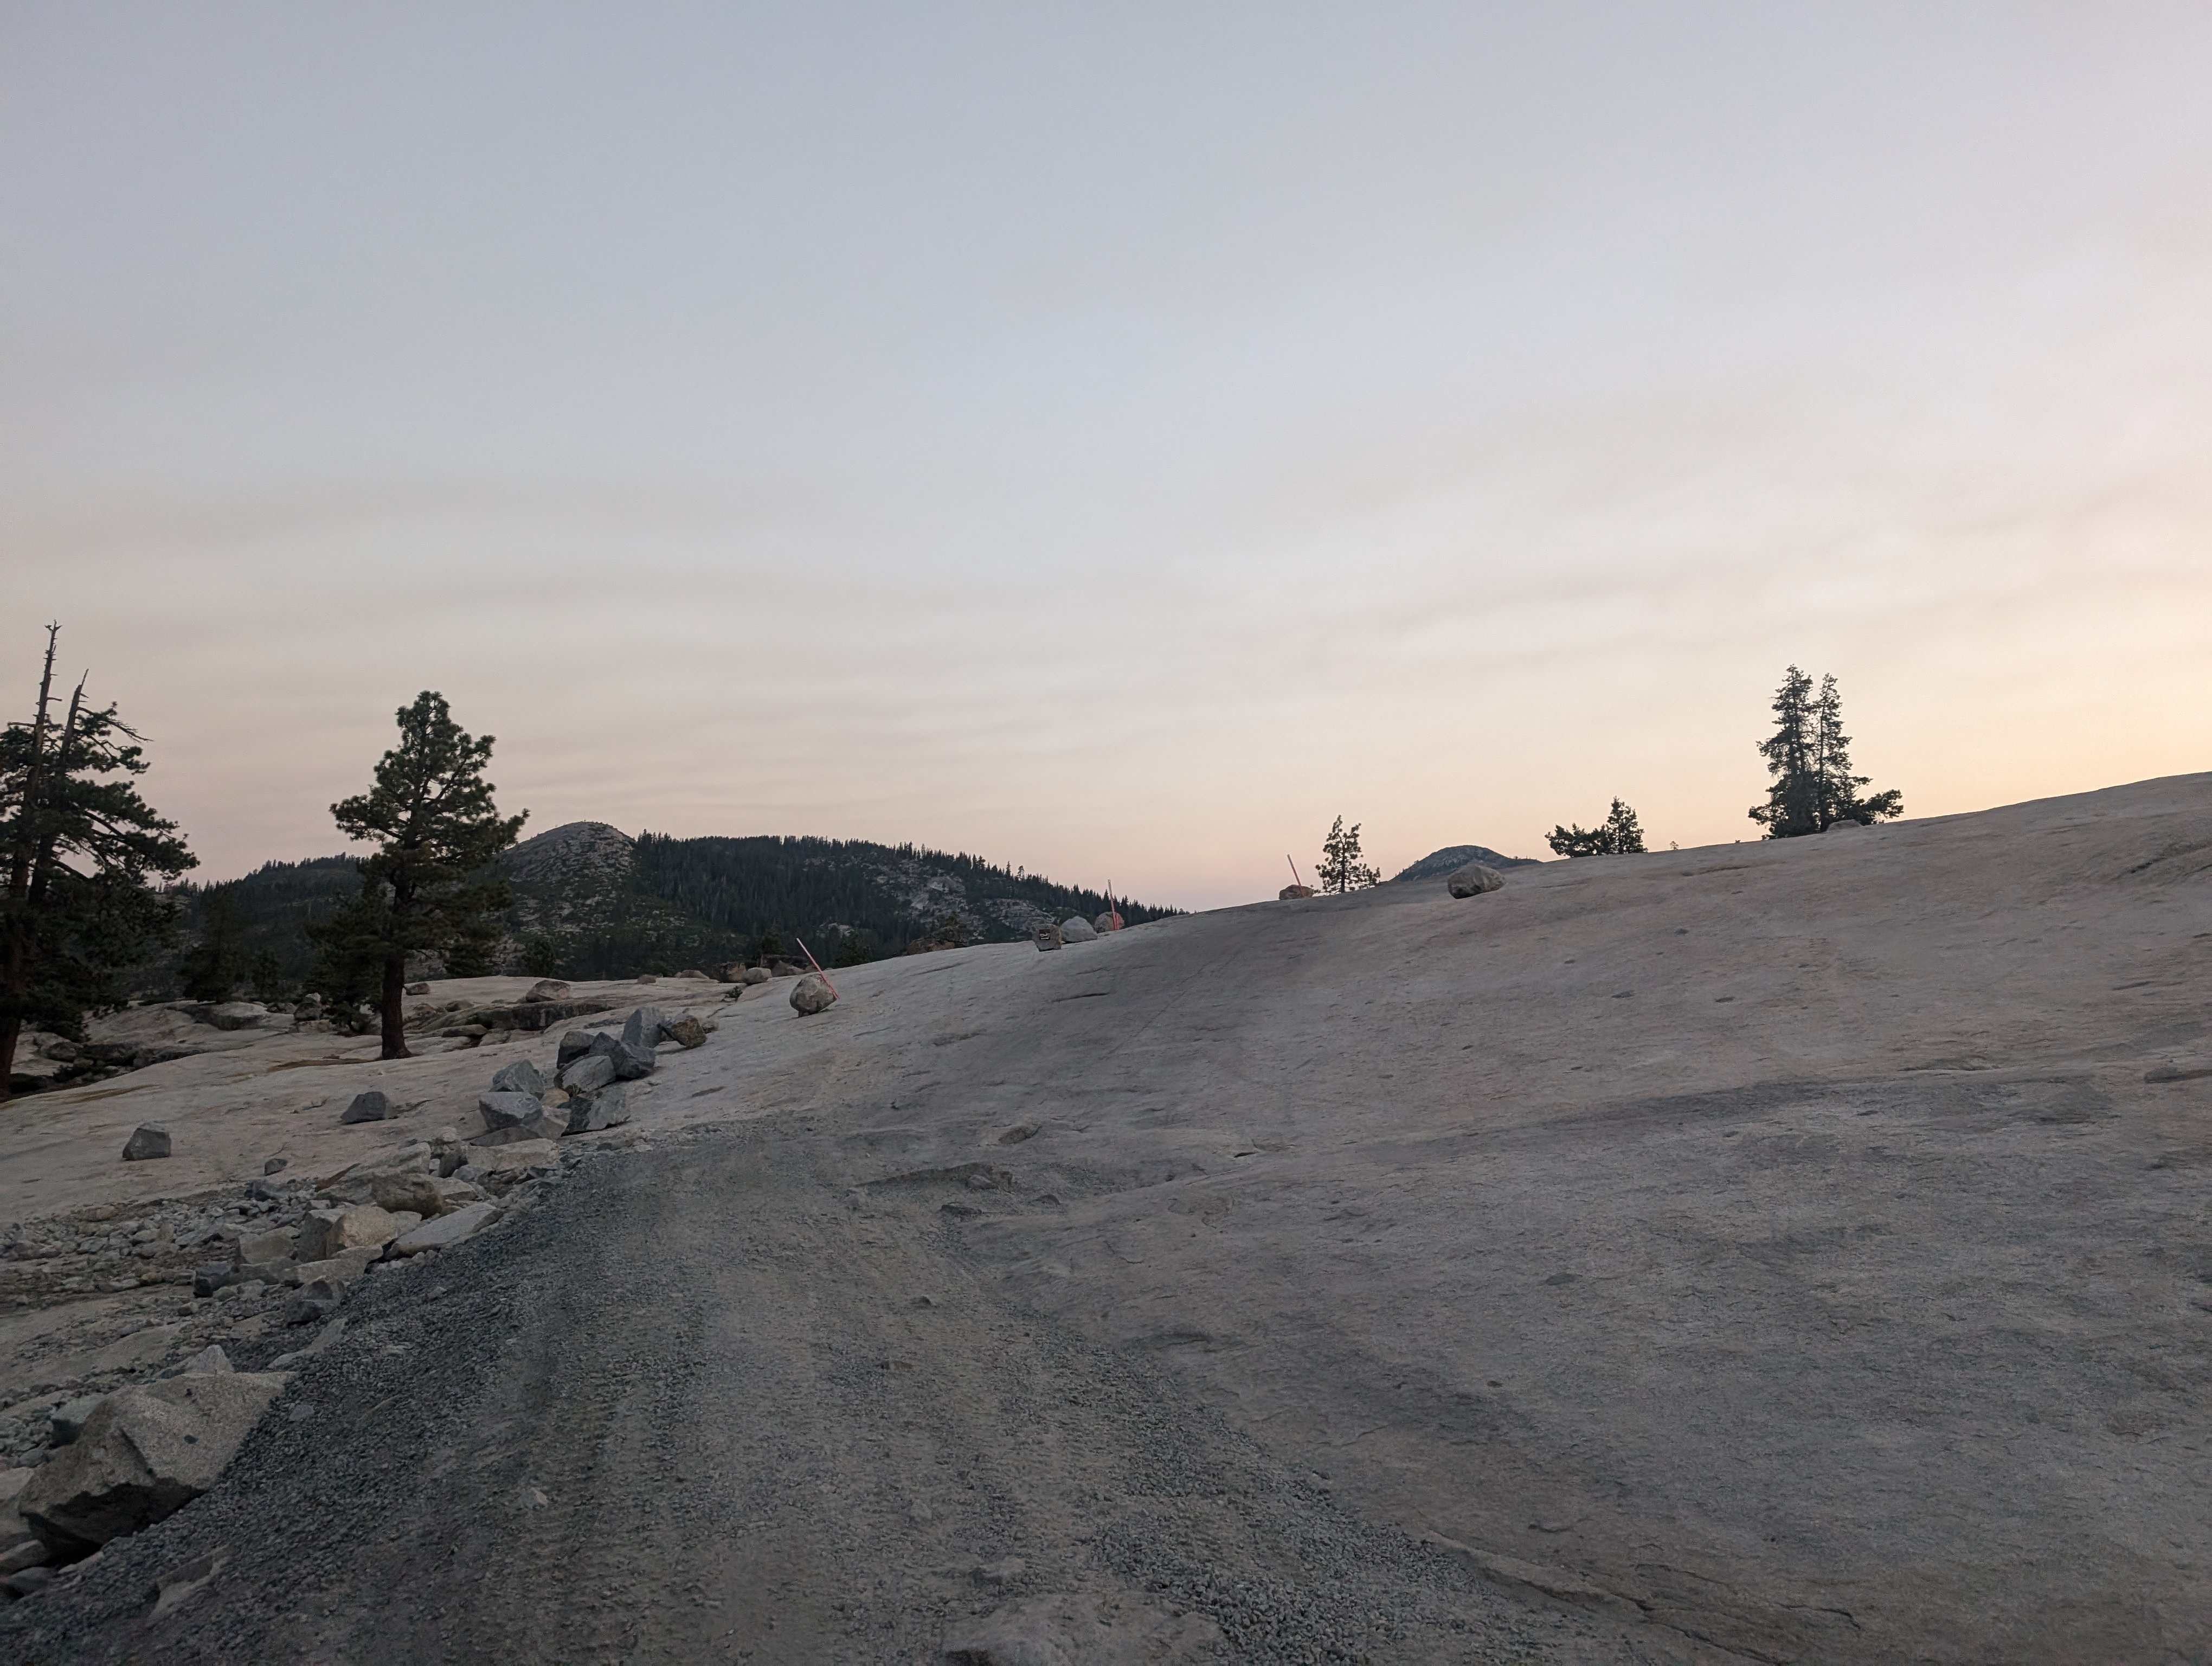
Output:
x=213 y=967
x=1619 y=835
x=81 y=849
x=1340 y=869
x=425 y=889
x=1809 y=754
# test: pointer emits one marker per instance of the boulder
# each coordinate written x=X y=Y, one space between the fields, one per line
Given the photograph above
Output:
x=372 y=1106
x=1107 y=922
x=574 y=1046
x=1473 y=880
x=142 y=1455
x=343 y=1268
x=276 y=1165
x=446 y=1230
x=812 y=994
x=546 y=988
x=642 y=1028
x=588 y=1074
x=262 y=1248
x=520 y=1076
x=505 y=1109
x=418 y=988
x=632 y=1059
x=398 y=1179
x=540 y=1124
x=687 y=1031
x=325 y=1232
x=210 y=1277
x=609 y=1108
x=456 y=1194
x=1076 y=929
x=755 y=976
x=1048 y=936
x=312 y=1303
x=148 y=1139
x=237 y=1015
x=1291 y=893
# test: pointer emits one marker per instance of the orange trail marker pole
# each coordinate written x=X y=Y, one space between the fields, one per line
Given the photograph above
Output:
x=815 y=964
x=1296 y=878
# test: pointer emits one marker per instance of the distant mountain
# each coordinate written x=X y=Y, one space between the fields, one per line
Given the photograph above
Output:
x=591 y=902
x=1438 y=863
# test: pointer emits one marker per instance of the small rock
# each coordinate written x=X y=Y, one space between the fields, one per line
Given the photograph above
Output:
x=504 y=1110
x=647 y=977
x=446 y=1230
x=589 y=1073
x=1473 y=880
x=520 y=1076
x=418 y=988
x=755 y=976
x=237 y=1015
x=1292 y=893
x=276 y=1165
x=981 y=1182
x=1047 y=937
x=148 y=1139
x=573 y=1045
x=176 y=1586
x=810 y=995
x=547 y=989
x=686 y=1032
x=609 y=1108
x=67 y=1420
x=262 y=1248
x=325 y=1232
x=1077 y=929
x=210 y=1277
x=542 y=1123
x=210 y=1361
x=372 y=1106
x=1107 y=922
x=312 y=1303
x=26 y=1583
x=642 y=1028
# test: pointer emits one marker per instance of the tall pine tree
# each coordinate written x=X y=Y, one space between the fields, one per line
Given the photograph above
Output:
x=1340 y=868
x=1809 y=754
x=425 y=891
x=82 y=851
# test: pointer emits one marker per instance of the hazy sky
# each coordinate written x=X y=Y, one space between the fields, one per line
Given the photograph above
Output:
x=1112 y=439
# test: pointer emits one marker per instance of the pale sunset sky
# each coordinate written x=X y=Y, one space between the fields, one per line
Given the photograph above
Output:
x=1115 y=440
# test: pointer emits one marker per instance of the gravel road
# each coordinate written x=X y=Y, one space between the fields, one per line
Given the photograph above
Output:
x=714 y=1403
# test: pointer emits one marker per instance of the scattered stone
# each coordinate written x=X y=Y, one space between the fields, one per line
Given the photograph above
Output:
x=261 y=1255
x=312 y=1302
x=1292 y=893
x=210 y=1361
x=210 y=1277
x=67 y=1420
x=1107 y=922
x=325 y=1232
x=643 y=1027
x=180 y=1584
x=593 y=1112
x=504 y=1110
x=265 y=1191
x=1047 y=937
x=347 y=1265
x=686 y=1032
x=1019 y=1132
x=1077 y=929
x=812 y=994
x=148 y=1139
x=372 y=1106
x=276 y=1165
x=447 y=1230
x=574 y=1046
x=398 y=1180
x=1473 y=880
x=546 y=988
x=142 y=1455
x=520 y=1076
x=418 y=988
x=588 y=1074
x=755 y=976
x=541 y=1124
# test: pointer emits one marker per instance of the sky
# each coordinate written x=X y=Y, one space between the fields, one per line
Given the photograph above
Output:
x=1112 y=439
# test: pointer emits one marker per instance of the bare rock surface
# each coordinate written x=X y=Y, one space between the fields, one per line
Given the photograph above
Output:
x=1804 y=1257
